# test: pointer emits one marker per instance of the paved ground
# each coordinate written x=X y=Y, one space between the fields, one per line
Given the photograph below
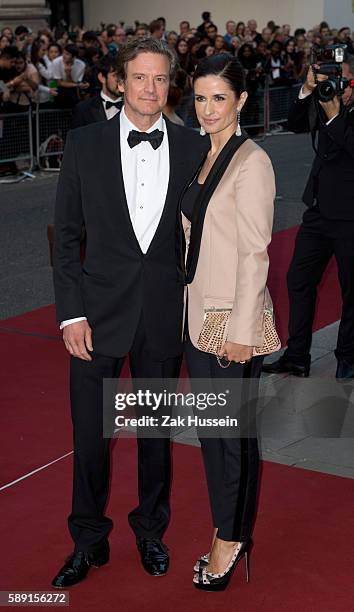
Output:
x=26 y=283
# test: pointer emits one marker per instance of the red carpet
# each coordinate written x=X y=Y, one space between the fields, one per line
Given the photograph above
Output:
x=303 y=557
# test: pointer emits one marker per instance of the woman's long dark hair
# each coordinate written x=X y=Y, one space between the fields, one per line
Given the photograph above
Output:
x=36 y=45
x=225 y=66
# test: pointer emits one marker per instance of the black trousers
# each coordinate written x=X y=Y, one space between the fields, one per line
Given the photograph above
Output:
x=88 y=524
x=317 y=240
x=231 y=464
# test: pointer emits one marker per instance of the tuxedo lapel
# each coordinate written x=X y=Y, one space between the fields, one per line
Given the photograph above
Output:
x=118 y=202
x=97 y=109
x=177 y=164
x=212 y=181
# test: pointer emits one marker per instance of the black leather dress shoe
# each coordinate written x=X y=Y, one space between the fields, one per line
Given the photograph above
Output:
x=285 y=365
x=345 y=369
x=154 y=556
x=77 y=566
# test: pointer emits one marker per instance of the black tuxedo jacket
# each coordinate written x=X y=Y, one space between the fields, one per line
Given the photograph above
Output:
x=331 y=181
x=88 y=111
x=117 y=281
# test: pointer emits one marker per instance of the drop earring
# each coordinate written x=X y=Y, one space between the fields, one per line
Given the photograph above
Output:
x=238 y=129
x=202 y=131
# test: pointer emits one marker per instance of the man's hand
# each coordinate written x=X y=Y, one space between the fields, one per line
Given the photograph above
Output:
x=311 y=81
x=236 y=352
x=78 y=340
x=332 y=107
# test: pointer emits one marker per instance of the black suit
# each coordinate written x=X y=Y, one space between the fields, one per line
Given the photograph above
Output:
x=133 y=302
x=89 y=111
x=327 y=228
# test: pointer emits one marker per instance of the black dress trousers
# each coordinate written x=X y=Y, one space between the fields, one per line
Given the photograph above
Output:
x=317 y=240
x=88 y=524
x=231 y=464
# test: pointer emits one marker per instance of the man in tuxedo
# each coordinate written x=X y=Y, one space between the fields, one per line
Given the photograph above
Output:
x=109 y=101
x=123 y=179
x=328 y=225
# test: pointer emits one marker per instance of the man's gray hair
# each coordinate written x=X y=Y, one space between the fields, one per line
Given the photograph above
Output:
x=145 y=45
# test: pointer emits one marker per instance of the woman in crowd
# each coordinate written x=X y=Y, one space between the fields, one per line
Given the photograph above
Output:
x=292 y=62
x=4 y=42
x=54 y=51
x=220 y=45
x=227 y=217
x=184 y=58
x=23 y=86
x=240 y=31
x=44 y=68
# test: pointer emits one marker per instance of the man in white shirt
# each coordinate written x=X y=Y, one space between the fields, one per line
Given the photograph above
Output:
x=123 y=180
x=69 y=71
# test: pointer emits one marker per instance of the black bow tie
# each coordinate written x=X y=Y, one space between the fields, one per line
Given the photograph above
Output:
x=154 y=138
x=115 y=104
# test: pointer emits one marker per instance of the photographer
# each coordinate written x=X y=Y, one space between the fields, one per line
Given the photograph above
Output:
x=328 y=225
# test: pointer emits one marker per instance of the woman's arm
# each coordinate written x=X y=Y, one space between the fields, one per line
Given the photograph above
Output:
x=254 y=208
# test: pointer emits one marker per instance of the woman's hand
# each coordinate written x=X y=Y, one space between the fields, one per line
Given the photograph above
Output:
x=236 y=352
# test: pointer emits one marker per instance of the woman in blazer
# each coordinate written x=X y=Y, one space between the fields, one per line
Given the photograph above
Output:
x=227 y=214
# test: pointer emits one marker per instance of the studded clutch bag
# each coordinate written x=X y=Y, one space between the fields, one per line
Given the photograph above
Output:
x=214 y=332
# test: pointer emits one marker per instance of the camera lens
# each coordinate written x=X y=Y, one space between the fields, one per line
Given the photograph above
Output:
x=326 y=90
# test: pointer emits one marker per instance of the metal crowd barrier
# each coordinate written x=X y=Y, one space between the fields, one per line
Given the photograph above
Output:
x=264 y=109
x=16 y=143
x=52 y=127
x=279 y=101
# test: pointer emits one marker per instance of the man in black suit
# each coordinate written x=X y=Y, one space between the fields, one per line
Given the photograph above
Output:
x=328 y=225
x=105 y=105
x=123 y=179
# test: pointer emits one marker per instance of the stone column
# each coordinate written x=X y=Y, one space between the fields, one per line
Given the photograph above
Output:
x=32 y=13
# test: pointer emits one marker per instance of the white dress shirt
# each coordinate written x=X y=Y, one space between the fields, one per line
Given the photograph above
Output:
x=146 y=174
x=112 y=111
x=77 y=70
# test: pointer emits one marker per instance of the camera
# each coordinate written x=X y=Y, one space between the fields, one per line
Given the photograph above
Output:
x=330 y=60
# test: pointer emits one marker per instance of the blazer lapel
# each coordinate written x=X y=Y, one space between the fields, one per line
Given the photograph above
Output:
x=212 y=181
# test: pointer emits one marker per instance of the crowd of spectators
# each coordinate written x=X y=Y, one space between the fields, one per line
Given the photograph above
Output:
x=57 y=68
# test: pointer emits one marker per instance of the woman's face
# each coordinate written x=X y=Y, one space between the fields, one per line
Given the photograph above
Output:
x=4 y=42
x=216 y=104
x=209 y=51
x=45 y=41
x=246 y=52
x=240 y=29
x=53 y=53
x=290 y=47
x=172 y=40
x=182 y=47
x=219 y=43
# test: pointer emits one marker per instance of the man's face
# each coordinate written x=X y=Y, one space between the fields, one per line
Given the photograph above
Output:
x=212 y=31
x=119 y=36
x=252 y=24
x=140 y=33
x=184 y=27
x=146 y=86
x=343 y=36
x=67 y=57
x=231 y=28
x=266 y=34
x=8 y=62
x=348 y=95
x=110 y=85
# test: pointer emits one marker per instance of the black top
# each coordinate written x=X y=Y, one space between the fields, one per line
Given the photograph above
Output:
x=190 y=197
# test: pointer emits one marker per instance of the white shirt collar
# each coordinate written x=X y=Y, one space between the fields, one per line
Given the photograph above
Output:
x=127 y=125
